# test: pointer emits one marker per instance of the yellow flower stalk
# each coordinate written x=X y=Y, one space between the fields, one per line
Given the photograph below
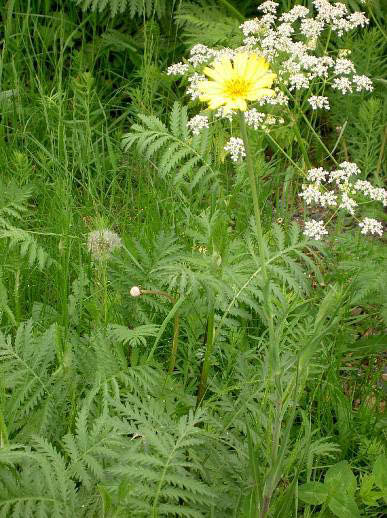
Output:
x=233 y=82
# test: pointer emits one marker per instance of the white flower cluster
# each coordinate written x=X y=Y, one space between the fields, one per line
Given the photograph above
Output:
x=343 y=66
x=297 y=12
x=178 y=69
x=338 y=16
x=319 y=101
x=194 y=80
x=222 y=113
x=344 y=188
x=254 y=118
x=343 y=84
x=200 y=54
x=236 y=148
x=348 y=203
x=371 y=226
x=362 y=83
x=375 y=193
x=259 y=120
x=315 y=229
x=295 y=63
x=250 y=27
x=268 y=7
x=298 y=81
x=317 y=175
x=343 y=173
x=197 y=123
x=101 y=243
x=279 y=99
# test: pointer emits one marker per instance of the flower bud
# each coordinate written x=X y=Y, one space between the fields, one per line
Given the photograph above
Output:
x=135 y=291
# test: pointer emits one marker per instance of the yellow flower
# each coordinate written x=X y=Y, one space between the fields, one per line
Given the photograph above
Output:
x=246 y=78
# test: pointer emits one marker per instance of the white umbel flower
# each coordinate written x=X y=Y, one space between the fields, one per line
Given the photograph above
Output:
x=317 y=175
x=348 y=203
x=371 y=226
x=345 y=171
x=298 y=11
x=268 y=7
x=311 y=194
x=197 y=123
x=298 y=81
x=254 y=118
x=343 y=67
x=178 y=69
x=362 y=83
x=343 y=84
x=319 y=101
x=250 y=27
x=375 y=193
x=328 y=199
x=236 y=148
x=315 y=229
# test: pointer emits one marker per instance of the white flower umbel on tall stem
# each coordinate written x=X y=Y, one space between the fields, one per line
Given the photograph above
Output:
x=371 y=226
x=197 y=123
x=339 y=188
x=315 y=229
x=236 y=148
x=178 y=69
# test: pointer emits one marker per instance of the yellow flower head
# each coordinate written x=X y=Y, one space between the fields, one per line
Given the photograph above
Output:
x=246 y=78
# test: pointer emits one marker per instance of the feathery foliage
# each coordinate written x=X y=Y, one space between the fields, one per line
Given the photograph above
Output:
x=276 y=341
x=13 y=208
x=133 y=7
x=186 y=160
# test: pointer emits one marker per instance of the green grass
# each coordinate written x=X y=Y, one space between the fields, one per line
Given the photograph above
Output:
x=92 y=424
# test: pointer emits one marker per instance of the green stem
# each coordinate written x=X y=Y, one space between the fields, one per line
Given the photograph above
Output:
x=207 y=357
x=301 y=144
x=260 y=238
x=175 y=339
x=254 y=191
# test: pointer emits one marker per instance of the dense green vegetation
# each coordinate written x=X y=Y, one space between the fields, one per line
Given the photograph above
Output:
x=210 y=365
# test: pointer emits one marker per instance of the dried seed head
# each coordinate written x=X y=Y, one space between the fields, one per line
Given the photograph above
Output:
x=101 y=243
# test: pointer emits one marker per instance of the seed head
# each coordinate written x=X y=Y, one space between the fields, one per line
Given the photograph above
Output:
x=101 y=243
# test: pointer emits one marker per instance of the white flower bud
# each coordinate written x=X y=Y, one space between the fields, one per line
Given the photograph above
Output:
x=135 y=291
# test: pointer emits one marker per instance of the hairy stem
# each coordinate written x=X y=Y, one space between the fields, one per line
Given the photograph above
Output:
x=260 y=238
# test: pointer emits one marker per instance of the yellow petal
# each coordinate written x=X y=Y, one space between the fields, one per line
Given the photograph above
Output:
x=260 y=92
x=224 y=68
x=213 y=74
x=240 y=64
x=257 y=67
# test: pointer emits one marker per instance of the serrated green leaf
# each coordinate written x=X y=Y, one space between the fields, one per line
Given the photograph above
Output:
x=368 y=496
